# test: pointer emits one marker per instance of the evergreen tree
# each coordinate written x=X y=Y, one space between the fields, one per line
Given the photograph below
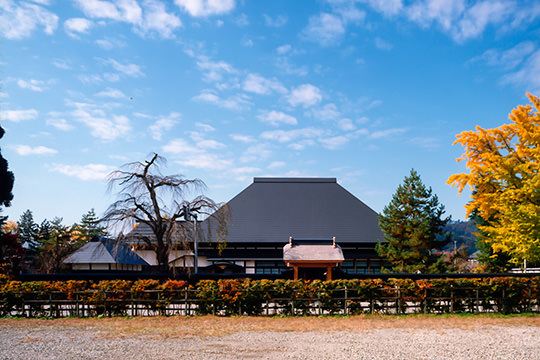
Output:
x=28 y=230
x=412 y=223
x=90 y=226
x=6 y=179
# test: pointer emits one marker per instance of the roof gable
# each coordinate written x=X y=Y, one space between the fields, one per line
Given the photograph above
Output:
x=105 y=251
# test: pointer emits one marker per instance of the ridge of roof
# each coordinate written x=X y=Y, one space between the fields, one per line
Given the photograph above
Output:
x=293 y=180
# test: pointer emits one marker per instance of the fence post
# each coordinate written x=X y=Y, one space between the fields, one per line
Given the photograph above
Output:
x=503 y=301
x=50 y=304
x=451 y=299
x=529 y=303
x=425 y=300
x=345 y=301
x=77 y=304
x=398 y=302
x=477 y=301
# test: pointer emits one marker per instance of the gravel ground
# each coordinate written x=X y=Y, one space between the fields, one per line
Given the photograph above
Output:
x=50 y=340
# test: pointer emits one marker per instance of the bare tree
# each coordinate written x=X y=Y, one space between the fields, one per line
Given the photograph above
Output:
x=159 y=201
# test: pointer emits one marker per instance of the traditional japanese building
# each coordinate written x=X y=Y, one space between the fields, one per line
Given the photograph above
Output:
x=265 y=215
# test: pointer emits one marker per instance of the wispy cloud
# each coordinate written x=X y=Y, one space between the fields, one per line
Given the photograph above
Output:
x=203 y=8
x=284 y=136
x=84 y=172
x=152 y=18
x=32 y=84
x=112 y=93
x=18 y=115
x=231 y=103
x=76 y=26
x=190 y=155
x=19 y=20
x=325 y=29
x=277 y=21
x=25 y=150
x=257 y=84
x=164 y=124
x=277 y=118
x=132 y=70
x=104 y=126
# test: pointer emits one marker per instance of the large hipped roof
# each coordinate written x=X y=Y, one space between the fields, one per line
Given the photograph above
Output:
x=273 y=209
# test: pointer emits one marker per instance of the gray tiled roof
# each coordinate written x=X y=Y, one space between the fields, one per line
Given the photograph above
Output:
x=105 y=251
x=272 y=209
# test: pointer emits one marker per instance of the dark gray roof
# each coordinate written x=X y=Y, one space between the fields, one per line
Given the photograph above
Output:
x=105 y=251
x=272 y=209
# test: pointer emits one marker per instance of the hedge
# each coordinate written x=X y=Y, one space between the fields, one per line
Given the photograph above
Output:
x=268 y=297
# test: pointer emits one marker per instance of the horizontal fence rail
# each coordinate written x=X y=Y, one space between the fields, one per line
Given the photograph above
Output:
x=224 y=302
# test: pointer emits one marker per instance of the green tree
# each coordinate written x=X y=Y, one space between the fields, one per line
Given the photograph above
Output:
x=28 y=230
x=57 y=241
x=90 y=226
x=412 y=223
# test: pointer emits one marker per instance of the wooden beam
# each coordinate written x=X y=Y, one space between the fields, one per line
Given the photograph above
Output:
x=295 y=272
x=329 y=273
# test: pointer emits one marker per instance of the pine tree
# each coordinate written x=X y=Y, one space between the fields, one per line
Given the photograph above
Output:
x=90 y=226
x=412 y=223
x=28 y=230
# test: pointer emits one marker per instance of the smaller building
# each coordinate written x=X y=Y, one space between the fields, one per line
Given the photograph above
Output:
x=102 y=254
x=306 y=255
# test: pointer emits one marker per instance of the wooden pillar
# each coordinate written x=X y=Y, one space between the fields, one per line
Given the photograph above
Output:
x=295 y=272
x=329 y=273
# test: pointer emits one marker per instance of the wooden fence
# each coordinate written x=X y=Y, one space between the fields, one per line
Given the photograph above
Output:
x=339 y=301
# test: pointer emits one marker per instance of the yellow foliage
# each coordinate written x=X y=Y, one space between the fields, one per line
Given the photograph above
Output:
x=503 y=171
x=10 y=227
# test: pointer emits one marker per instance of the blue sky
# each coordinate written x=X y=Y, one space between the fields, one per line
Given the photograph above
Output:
x=360 y=90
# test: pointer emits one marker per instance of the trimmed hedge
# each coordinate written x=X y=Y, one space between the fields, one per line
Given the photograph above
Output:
x=256 y=297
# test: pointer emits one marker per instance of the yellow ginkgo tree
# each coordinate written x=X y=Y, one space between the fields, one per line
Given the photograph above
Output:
x=503 y=171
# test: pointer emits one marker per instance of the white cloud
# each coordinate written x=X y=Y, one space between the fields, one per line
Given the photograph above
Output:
x=478 y=17
x=325 y=29
x=132 y=70
x=76 y=26
x=151 y=18
x=18 y=21
x=528 y=75
x=306 y=95
x=283 y=136
x=276 y=164
x=103 y=126
x=232 y=103
x=346 y=125
x=256 y=153
x=385 y=133
x=242 y=20
x=335 y=142
x=25 y=150
x=110 y=43
x=201 y=8
x=259 y=85
x=277 y=118
x=278 y=21
x=61 y=64
x=507 y=59
x=327 y=112
x=205 y=127
x=58 y=122
x=204 y=143
x=242 y=138
x=192 y=156
x=158 y=20
x=444 y=12
x=112 y=93
x=84 y=172
x=32 y=84
x=214 y=70
x=164 y=124
x=284 y=49
x=18 y=115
